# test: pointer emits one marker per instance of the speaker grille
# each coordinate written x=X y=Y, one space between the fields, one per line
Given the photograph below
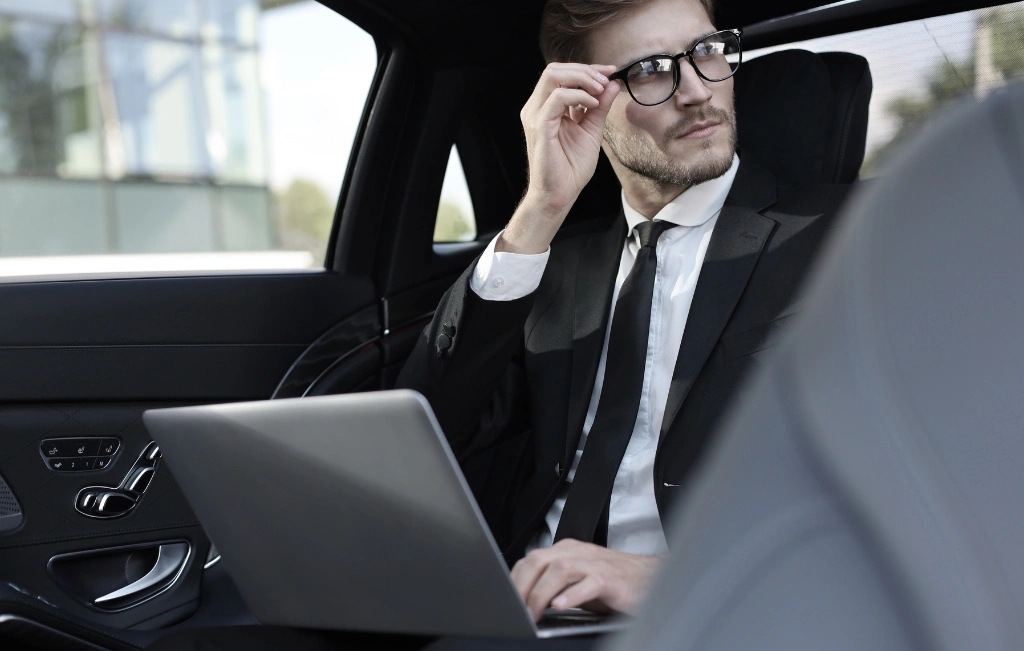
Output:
x=10 y=510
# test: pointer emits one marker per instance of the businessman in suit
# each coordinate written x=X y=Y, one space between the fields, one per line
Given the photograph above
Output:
x=594 y=361
x=609 y=350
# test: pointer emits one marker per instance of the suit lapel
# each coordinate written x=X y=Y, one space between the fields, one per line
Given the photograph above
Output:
x=736 y=243
x=595 y=283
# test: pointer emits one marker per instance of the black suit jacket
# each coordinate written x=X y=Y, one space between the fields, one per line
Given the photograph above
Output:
x=510 y=382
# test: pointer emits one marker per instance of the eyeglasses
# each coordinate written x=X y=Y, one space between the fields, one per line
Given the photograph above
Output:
x=653 y=80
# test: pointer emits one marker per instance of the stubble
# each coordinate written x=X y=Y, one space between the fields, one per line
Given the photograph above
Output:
x=638 y=152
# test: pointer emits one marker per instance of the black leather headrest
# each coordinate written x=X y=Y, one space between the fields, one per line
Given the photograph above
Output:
x=805 y=115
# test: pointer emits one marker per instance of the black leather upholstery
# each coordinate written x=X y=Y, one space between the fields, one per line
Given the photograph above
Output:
x=805 y=115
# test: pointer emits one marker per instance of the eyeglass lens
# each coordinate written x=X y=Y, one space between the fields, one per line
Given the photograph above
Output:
x=654 y=80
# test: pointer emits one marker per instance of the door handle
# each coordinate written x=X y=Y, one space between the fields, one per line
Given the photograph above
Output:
x=170 y=559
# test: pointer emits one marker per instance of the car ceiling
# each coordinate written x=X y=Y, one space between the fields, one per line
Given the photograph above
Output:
x=457 y=31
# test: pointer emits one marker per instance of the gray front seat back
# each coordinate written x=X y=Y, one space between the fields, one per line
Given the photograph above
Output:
x=869 y=492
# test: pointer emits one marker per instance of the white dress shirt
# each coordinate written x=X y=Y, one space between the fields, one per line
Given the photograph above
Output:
x=634 y=524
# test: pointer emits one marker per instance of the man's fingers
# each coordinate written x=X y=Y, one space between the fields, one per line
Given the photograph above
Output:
x=571 y=75
x=558 y=574
x=593 y=120
x=528 y=569
x=576 y=113
x=567 y=75
x=563 y=98
x=591 y=588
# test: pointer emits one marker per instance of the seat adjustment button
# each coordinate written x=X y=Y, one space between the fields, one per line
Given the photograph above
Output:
x=100 y=463
x=52 y=448
x=81 y=447
x=444 y=342
x=109 y=446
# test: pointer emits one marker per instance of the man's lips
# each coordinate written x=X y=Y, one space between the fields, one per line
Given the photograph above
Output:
x=700 y=130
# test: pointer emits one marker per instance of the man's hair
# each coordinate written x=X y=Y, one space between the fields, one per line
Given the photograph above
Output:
x=566 y=25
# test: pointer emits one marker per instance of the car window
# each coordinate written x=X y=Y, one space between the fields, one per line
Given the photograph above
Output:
x=920 y=66
x=456 y=221
x=163 y=135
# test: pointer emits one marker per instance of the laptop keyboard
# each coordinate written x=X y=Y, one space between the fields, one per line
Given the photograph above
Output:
x=568 y=618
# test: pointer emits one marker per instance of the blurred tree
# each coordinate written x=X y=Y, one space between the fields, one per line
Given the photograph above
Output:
x=452 y=225
x=1008 y=41
x=28 y=101
x=951 y=80
x=304 y=216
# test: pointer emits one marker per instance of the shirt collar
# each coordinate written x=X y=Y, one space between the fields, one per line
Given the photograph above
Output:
x=693 y=207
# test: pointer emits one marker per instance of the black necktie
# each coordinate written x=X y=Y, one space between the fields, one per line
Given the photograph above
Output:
x=620 y=395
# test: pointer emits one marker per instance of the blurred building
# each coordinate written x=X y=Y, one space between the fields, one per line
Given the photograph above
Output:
x=131 y=126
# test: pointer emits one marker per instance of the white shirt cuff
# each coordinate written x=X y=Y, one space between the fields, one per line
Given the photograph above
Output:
x=503 y=276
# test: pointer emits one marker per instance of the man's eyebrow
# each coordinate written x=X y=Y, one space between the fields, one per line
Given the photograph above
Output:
x=663 y=54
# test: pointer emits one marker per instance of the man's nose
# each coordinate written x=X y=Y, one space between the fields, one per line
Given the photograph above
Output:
x=692 y=89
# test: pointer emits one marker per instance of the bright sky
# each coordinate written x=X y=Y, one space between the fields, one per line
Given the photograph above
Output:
x=316 y=69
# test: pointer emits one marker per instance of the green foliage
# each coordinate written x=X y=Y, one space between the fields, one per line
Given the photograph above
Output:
x=452 y=225
x=951 y=80
x=1008 y=38
x=28 y=102
x=304 y=214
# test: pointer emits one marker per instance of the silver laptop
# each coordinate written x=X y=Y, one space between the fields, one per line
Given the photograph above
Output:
x=348 y=512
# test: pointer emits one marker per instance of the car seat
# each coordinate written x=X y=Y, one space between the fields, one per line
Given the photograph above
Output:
x=866 y=493
x=805 y=115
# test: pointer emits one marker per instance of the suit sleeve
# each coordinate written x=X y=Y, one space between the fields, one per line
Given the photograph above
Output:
x=468 y=365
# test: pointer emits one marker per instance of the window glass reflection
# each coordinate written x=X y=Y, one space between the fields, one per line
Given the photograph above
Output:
x=155 y=84
x=165 y=217
x=146 y=129
x=49 y=107
x=232 y=20
x=52 y=217
x=64 y=10
x=235 y=134
x=179 y=18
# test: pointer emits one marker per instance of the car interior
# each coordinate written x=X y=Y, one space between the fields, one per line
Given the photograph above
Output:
x=98 y=547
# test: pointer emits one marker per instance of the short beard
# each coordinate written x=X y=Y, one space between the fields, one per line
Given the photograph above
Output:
x=640 y=155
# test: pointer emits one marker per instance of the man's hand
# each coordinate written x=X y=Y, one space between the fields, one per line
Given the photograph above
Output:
x=571 y=574
x=564 y=123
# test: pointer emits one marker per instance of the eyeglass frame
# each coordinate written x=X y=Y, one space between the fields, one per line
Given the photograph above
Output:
x=677 y=76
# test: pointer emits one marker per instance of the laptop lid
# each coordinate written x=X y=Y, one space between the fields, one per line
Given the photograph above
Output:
x=342 y=512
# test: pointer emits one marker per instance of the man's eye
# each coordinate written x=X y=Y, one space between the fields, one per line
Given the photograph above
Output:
x=648 y=69
x=709 y=49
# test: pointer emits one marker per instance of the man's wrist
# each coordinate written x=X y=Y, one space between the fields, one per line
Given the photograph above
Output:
x=531 y=229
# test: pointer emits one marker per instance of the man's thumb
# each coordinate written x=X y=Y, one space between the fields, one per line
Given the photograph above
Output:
x=594 y=119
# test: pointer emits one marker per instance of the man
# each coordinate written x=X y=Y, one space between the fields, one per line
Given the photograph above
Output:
x=552 y=336
x=603 y=355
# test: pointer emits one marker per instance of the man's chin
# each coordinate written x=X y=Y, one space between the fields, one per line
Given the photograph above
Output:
x=707 y=161
x=718 y=145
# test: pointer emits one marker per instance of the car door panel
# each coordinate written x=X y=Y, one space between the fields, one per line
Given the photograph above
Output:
x=213 y=338
x=82 y=361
